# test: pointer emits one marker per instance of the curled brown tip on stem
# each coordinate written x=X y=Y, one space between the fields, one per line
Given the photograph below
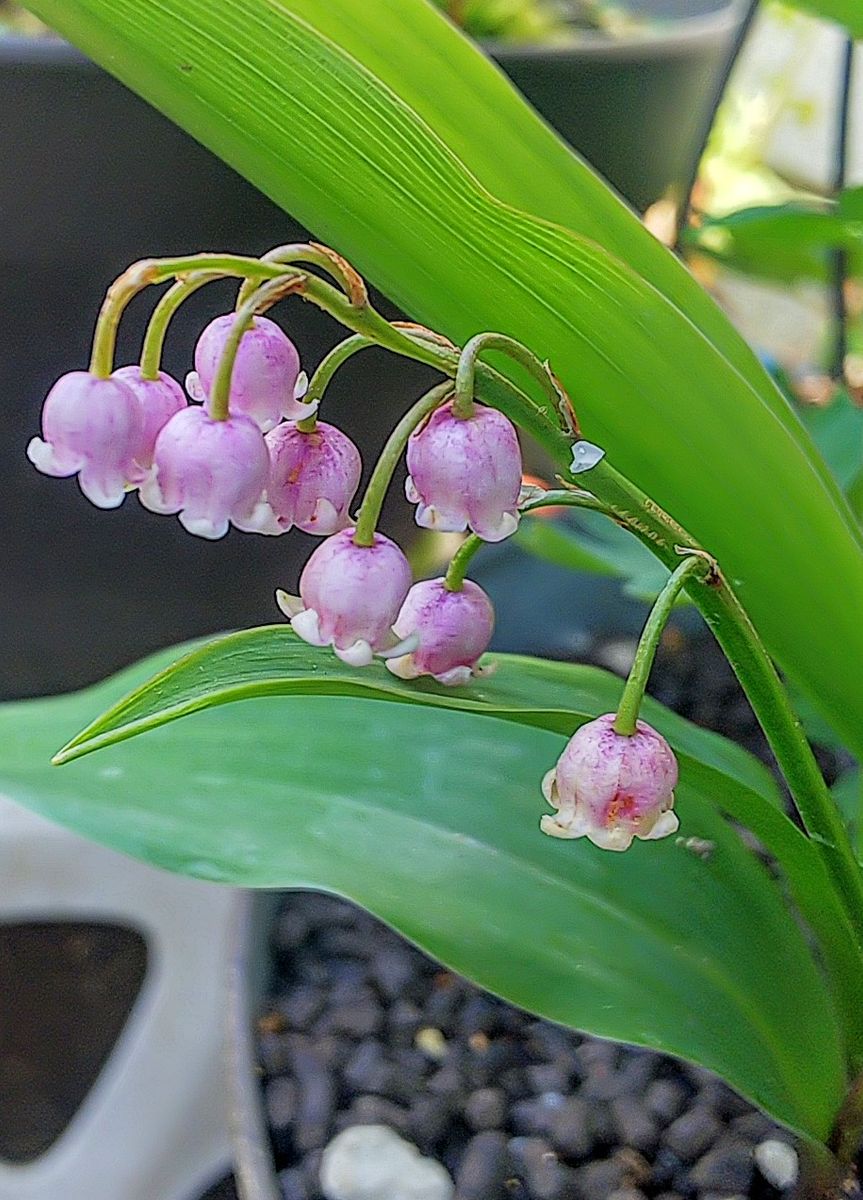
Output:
x=293 y=285
x=354 y=283
x=567 y=409
x=423 y=330
x=714 y=575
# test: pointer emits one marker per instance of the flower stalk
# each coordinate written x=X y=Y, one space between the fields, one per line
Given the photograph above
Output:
x=636 y=683
x=370 y=509
x=163 y=313
x=260 y=298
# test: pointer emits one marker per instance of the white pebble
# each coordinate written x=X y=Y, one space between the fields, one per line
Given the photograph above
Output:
x=777 y=1162
x=371 y=1162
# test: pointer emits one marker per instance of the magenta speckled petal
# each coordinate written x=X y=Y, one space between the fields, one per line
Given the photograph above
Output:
x=466 y=473
x=93 y=428
x=313 y=477
x=211 y=473
x=351 y=595
x=611 y=788
x=265 y=372
x=454 y=630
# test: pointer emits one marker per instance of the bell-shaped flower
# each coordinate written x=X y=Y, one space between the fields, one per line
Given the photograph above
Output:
x=465 y=473
x=92 y=428
x=611 y=788
x=452 y=630
x=265 y=380
x=159 y=399
x=313 y=477
x=349 y=596
x=212 y=473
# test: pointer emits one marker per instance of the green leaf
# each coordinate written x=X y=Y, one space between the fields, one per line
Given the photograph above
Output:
x=386 y=144
x=562 y=544
x=785 y=242
x=657 y=946
x=837 y=429
x=848 y=793
x=842 y=12
x=557 y=697
x=590 y=542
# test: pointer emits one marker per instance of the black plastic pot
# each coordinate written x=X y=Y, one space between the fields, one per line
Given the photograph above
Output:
x=249 y=967
x=92 y=178
x=637 y=107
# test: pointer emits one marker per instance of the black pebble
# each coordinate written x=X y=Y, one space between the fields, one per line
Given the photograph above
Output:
x=571 y=1130
x=692 y=1133
x=293 y=1184
x=484 y=1168
x=666 y=1099
x=486 y=1108
x=727 y=1168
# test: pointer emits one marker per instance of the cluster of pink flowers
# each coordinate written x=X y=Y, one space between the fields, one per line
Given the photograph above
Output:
x=268 y=468
x=268 y=465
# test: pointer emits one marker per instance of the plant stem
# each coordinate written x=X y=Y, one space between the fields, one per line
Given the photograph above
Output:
x=840 y=258
x=154 y=339
x=156 y=270
x=315 y=255
x=848 y=1130
x=743 y=648
x=326 y=369
x=460 y=561
x=564 y=498
x=465 y=380
x=328 y=365
x=267 y=294
x=370 y=509
x=633 y=691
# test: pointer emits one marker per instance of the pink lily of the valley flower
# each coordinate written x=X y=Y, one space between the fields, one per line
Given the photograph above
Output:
x=93 y=428
x=314 y=477
x=466 y=473
x=211 y=473
x=159 y=399
x=349 y=597
x=611 y=788
x=266 y=379
x=452 y=630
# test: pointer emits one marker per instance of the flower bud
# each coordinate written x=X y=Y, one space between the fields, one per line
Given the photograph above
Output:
x=465 y=473
x=210 y=472
x=349 y=596
x=611 y=788
x=313 y=477
x=453 y=631
x=265 y=374
x=91 y=427
x=159 y=399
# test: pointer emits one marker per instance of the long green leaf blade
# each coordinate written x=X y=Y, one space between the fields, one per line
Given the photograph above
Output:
x=557 y=697
x=317 y=131
x=657 y=946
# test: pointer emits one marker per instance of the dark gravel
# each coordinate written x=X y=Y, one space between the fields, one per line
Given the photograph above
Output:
x=361 y=1028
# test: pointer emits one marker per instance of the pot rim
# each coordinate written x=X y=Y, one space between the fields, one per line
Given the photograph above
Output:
x=680 y=36
x=254 y=1170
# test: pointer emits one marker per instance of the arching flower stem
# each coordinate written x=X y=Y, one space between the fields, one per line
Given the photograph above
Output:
x=370 y=509
x=633 y=692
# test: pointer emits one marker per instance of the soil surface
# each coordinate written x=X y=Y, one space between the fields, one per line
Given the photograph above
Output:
x=362 y=1028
